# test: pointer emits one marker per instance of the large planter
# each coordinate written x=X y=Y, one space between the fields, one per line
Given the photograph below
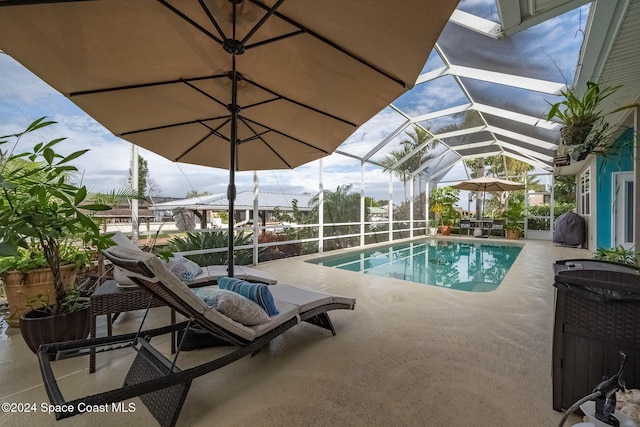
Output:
x=445 y=230
x=20 y=287
x=38 y=327
x=513 y=234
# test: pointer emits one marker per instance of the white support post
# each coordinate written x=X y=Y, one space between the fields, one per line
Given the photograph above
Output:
x=411 y=183
x=390 y=208
x=135 y=231
x=256 y=217
x=320 y=210
x=426 y=207
x=362 y=205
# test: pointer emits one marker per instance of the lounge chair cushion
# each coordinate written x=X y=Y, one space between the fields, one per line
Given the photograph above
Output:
x=257 y=292
x=185 y=269
x=181 y=290
x=121 y=240
x=233 y=305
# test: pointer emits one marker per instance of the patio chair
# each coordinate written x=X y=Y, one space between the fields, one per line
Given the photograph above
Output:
x=159 y=382
x=465 y=224
x=497 y=227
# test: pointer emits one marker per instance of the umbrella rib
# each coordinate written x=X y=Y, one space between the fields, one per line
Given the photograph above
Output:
x=260 y=23
x=274 y=39
x=300 y=104
x=286 y=136
x=332 y=44
x=245 y=121
x=205 y=94
x=200 y=121
x=212 y=19
x=214 y=131
x=144 y=85
x=184 y=153
x=191 y=21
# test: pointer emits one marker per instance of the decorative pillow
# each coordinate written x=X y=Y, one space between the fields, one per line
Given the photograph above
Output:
x=233 y=305
x=257 y=292
x=185 y=269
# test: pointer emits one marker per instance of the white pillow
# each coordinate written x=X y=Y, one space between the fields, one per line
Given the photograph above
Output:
x=122 y=241
x=233 y=305
x=185 y=269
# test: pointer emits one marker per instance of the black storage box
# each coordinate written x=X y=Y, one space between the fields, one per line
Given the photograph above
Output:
x=597 y=314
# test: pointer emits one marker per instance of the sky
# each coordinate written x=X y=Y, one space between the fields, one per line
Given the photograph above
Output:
x=24 y=98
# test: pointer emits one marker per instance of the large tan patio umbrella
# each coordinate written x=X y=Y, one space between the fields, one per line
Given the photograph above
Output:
x=243 y=85
x=488 y=183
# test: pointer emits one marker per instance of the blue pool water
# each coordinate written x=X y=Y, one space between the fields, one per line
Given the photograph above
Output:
x=463 y=265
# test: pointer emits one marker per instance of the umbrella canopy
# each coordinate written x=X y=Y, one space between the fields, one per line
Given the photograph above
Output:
x=244 y=85
x=487 y=183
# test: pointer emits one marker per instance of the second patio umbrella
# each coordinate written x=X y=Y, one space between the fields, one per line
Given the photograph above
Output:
x=237 y=84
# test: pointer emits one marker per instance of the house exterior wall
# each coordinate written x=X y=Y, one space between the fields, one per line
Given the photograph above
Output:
x=605 y=167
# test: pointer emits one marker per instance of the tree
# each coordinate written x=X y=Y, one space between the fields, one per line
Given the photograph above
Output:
x=564 y=189
x=340 y=206
x=419 y=137
x=143 y=174
x=195 y=193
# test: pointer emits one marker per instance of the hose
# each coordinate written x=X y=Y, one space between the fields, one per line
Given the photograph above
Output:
x=575 y=406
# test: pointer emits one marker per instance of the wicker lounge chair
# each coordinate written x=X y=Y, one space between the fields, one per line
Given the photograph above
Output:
x=159 y=382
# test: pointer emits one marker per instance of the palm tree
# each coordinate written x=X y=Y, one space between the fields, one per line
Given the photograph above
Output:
x=413 y=152
x=341 y=205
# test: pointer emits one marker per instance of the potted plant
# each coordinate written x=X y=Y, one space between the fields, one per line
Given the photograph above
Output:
x=585 y=128
x=514 y=216
x=618 y=254
x=443 y=199
x=433 y=227
x=45 y=226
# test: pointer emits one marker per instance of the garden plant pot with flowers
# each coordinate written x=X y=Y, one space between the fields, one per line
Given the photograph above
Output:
x=44 y=233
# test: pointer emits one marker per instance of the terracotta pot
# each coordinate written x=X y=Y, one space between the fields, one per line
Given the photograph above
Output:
x=37 y=327
x=445 y=230
x=513 y=234
x=20 y=287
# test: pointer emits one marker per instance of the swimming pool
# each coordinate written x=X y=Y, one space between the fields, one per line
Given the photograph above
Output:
x=462 y=265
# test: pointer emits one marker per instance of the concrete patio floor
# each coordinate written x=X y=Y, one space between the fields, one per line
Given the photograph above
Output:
x=408 y=355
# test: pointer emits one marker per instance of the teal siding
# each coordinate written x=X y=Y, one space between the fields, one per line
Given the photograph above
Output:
x=605 y=167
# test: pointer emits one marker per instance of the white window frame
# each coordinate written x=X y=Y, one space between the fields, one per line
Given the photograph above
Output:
x=585 y=192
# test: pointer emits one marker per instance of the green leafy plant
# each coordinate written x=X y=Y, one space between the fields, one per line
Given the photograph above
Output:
x=209 y=240
x=618 y=254
x=42 y=213
x=443 y=199
x=585 y=127
x=73 y=301
x=514 y=215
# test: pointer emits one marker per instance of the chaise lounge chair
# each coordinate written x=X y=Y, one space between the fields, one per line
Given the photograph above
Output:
x=159 y=382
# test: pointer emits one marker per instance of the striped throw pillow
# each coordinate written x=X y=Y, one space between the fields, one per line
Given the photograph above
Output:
x=257 y=292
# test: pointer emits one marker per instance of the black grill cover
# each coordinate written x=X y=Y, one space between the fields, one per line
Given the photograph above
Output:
x=570 y=229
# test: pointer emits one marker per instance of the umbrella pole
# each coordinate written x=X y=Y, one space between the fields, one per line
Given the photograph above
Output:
x=231 y=189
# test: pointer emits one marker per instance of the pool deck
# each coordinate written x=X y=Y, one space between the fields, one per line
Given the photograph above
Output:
x=408 y=355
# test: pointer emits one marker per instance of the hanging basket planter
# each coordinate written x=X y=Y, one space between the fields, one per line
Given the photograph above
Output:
x=576 y=134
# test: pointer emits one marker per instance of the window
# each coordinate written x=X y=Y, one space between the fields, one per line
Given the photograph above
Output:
x=628 y=212
x=585 y=192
